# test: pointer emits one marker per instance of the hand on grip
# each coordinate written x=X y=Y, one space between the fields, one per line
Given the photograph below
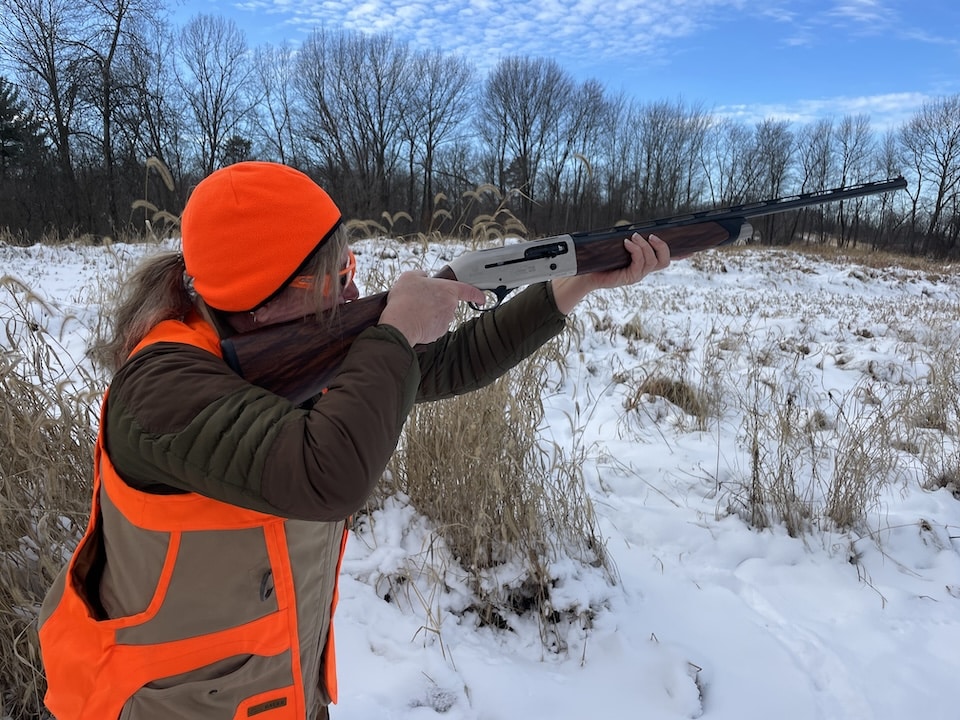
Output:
x=422 y=308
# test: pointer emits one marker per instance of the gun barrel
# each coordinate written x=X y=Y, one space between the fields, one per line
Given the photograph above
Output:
x=821 y=197
x=769 y=207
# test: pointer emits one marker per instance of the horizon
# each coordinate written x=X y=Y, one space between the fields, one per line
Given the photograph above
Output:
x=795 y=60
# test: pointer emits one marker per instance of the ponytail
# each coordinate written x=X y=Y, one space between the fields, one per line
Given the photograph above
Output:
x=157 y=291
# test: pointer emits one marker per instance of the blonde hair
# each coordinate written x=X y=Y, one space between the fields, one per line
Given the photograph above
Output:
x=155 y=292
x=159 y=290
x=323 y=262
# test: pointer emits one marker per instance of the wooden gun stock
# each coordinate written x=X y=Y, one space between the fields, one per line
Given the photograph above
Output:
x=298 y=359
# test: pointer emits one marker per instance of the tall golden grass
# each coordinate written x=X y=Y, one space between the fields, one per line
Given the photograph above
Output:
x=499 y=496
x=47 y=427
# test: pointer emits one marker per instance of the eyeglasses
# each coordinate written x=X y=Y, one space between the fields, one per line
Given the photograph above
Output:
x=345 y=276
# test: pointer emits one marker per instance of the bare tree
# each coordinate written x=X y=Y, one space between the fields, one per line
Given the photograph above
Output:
x=153 y=122
x=773 y=155
x=111 y=41
x=355 y=91
x=443 y=88
x=727 y=162
x=931 y=146
x=855 y=147
x=672 y=140
x=274 y=115
x=217 y=70
x=816 y=155
x=381 y=94
x=458 y=170
x=315 y=80
x=568 y=166
x=890 y=215
x=817 y=165
x=522 y=106
x=619 y=142
x=38 y=39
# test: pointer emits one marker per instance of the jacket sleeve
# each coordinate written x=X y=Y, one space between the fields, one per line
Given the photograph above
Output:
x=179 y=420
x=482 y=349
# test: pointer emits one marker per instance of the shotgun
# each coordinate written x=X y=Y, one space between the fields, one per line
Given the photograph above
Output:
x=297 y=359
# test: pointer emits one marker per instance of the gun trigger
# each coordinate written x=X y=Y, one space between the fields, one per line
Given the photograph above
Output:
x=495 y=296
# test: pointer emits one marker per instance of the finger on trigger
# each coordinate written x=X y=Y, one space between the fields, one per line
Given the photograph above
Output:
x=468 y=293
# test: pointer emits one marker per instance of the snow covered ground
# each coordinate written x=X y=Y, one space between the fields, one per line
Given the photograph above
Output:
x=710 y=618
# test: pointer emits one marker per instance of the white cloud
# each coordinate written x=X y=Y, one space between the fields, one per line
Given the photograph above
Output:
x=871 y=14
x=886 y=111
x=484 y=29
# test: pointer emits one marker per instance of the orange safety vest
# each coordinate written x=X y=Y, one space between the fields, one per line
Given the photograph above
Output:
x=91 y=673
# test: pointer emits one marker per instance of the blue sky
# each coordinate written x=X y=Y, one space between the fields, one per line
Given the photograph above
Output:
x=793 y=59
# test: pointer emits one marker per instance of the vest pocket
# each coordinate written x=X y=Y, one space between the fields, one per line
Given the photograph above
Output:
x=250 y=686
x=271 y=705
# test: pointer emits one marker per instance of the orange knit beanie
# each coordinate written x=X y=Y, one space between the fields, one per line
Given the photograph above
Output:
x=248 y=227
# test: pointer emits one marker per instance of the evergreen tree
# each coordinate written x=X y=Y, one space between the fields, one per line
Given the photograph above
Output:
x=20 y=138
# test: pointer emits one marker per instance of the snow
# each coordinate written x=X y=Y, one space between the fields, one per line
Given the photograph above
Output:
x=709 y=617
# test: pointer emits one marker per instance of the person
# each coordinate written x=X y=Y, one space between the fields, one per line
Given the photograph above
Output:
x=205 y=584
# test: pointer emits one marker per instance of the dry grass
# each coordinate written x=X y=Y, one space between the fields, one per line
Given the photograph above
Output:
x=819 y=459
x=686 y=372
x=506 y=506
x=866 y=256
x=816 y=461
x=929 y=415
x=47 y=429
x=675 y=391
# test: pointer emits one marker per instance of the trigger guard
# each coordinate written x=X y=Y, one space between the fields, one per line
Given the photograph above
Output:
x=495 y=297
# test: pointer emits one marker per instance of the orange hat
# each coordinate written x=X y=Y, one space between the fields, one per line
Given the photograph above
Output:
x=248 y=227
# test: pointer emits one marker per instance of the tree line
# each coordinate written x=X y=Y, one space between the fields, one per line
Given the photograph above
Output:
x=110 y=114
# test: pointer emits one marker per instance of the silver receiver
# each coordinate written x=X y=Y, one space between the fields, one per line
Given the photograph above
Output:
x=502 y=269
